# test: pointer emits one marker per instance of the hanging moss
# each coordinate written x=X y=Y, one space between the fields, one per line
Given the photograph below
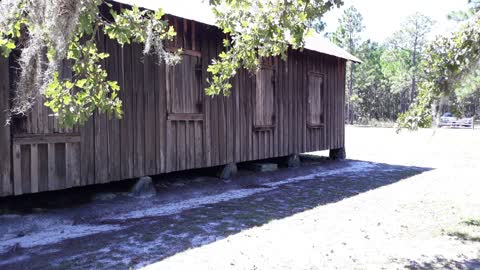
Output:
x=48 y=32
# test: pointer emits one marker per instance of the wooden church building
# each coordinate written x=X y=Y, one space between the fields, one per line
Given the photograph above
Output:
x=287 y=107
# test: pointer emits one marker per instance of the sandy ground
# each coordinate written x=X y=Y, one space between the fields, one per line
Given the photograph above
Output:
x=416 y=223
x=400 y=201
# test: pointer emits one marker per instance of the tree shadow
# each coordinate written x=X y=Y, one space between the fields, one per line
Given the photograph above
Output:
x=250 y=200
x=440 y=262
x=465 y=232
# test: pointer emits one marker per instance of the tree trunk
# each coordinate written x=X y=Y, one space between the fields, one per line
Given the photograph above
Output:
x=413 y=92
x=414 y=75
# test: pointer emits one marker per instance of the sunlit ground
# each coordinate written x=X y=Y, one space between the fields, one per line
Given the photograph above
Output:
x=427 y=221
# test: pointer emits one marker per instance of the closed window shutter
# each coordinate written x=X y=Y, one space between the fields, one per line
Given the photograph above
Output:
x=315 y=100
x=264 y=98
x=185 y=86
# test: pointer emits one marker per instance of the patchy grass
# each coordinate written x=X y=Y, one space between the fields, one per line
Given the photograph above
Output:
x=472 y=222
x=465 y=236
x=467 y=231
x=375 y=123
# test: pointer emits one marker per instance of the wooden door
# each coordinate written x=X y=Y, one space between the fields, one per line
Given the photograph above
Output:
x=185 y=114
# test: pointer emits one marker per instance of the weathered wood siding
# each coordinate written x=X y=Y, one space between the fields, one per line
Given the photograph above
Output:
x=43 y=163
x=5 y=143
x=170 y=125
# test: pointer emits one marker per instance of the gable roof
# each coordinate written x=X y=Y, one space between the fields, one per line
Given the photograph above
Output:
x=200 y=11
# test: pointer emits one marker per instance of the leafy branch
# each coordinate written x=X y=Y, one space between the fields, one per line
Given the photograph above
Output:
x=257 y=29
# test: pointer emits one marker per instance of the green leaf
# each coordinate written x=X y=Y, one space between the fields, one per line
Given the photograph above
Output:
x=81 y=83
x=114 y=85
x=69 y=84
x=10 y=45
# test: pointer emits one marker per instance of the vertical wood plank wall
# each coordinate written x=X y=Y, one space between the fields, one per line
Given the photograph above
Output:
x=147 y=141
x=5 y=143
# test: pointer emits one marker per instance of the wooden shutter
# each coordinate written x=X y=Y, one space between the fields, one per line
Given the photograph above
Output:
x=264 y=99
x=315 y=100
x=184 y=93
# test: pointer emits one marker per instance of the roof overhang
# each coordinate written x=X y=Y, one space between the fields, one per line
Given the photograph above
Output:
x=200 y=11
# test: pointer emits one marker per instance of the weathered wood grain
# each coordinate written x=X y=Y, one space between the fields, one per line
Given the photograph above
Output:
x=139 y=112
x=150 y=123
x=17 y=170
x=6 y=187
x=34 y=168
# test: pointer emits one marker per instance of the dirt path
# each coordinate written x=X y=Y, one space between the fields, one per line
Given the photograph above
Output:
x=412 y=201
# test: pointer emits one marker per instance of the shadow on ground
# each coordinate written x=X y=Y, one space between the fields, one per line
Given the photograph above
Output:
x=465 y=232
x=440 y=262
x=149 y=230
